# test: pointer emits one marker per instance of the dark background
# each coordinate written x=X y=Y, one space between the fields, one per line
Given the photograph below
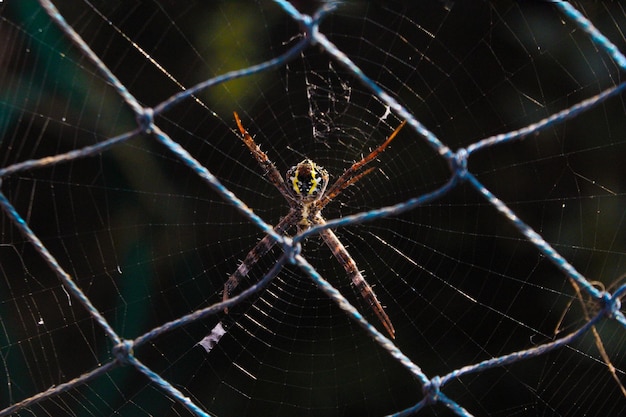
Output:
x=149 y=242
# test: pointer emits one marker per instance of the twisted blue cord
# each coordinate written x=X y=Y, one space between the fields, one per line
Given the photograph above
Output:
x=123 y=351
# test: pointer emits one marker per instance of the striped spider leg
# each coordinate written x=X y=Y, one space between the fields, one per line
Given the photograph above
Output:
x=305 y=189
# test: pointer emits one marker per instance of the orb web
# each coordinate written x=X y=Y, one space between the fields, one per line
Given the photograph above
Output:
x=490 y=229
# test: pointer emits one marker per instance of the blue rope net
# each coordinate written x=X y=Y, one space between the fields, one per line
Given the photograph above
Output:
x=432 y=389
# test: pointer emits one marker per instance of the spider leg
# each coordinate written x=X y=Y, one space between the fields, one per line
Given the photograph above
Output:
x=348 y=178
x=255 y=254
x=266 y=164
x=344 y=258
x=260 y=249
x=329 y=196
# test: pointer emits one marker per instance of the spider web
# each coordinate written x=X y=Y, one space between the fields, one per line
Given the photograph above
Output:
x=148 y=239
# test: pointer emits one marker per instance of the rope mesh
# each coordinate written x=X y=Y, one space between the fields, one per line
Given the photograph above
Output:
x=458 y=161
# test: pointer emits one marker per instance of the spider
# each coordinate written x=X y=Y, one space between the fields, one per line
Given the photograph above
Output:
x=305 y=189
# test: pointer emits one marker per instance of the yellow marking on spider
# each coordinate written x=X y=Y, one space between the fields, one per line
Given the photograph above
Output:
x=294 y=183
x=307 y=178
x=315 y=182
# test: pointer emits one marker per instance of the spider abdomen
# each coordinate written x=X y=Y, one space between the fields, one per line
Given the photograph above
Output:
x=307 y=180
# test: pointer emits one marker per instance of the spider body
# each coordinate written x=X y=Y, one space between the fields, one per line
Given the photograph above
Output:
x=307 y=192
x=307 y=184
x=308 y=180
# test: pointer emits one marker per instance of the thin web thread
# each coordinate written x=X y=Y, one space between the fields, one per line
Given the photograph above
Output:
x=432 y=386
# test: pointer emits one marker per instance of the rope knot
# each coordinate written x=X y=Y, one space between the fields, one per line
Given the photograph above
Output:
x=459 y=164
x=308 y=26
x=292 y=249
x=145 y=119
x=123 y=351
x=432 y=389
x=612 y=304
